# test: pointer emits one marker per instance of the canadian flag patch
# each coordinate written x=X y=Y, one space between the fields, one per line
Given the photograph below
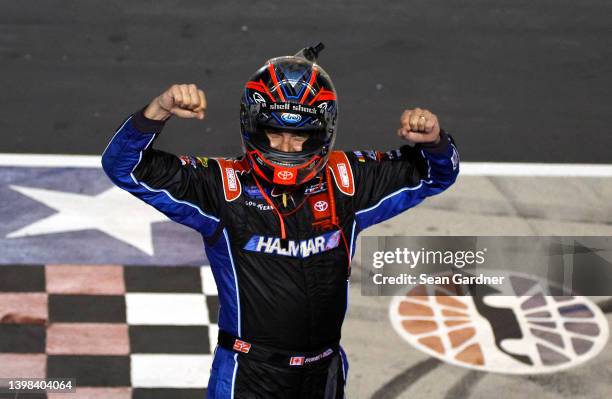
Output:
x=296 y=361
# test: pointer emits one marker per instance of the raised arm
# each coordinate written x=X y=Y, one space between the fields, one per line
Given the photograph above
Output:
x=392 y=182
x=183 y=188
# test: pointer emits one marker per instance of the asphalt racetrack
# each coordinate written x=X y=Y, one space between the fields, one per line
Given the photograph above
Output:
x=515 y=82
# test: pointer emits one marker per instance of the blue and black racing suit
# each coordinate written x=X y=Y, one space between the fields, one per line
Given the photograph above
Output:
x=281 y=298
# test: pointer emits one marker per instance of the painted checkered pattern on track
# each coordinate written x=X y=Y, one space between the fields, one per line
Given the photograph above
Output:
x=122 y=331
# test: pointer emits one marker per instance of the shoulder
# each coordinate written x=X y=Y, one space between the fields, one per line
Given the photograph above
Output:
x=342 y=168
x=231 y=170
x=239 y=164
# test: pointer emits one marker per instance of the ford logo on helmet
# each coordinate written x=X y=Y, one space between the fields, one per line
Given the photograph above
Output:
x=291 y=118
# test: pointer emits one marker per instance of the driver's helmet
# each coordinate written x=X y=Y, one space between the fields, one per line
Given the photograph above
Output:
x=288 y=94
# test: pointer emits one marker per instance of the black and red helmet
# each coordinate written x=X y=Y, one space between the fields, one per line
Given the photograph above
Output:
x=289 y=94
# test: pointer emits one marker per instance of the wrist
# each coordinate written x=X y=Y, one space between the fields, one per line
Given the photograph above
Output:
x=435 y=142
x=439 y=146
x=156 y=112
x=144 y=124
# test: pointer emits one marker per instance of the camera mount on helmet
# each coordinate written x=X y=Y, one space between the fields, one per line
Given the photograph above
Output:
x=311 y=53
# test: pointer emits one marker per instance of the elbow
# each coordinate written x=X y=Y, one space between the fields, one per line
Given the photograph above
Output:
x=450 y=179
x=114 y=167
x=450 y=170
x=120 y=155
x=117 y=171
x=108 y=164
x=444 y=181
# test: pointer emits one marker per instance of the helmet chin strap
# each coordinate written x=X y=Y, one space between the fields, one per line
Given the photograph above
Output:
x=269 y=201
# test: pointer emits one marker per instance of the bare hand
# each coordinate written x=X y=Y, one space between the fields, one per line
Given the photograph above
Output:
x=182 y=100
x=419 y=126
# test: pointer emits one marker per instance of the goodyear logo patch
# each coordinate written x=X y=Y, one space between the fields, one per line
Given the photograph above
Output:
x=295 y=249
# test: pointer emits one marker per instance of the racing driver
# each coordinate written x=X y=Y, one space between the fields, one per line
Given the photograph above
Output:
x=280 y=222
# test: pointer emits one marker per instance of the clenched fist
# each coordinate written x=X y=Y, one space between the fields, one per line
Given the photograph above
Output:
x=419 y=126
x=182 y=100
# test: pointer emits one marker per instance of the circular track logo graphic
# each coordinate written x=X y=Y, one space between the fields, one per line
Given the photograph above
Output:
x=514 y=328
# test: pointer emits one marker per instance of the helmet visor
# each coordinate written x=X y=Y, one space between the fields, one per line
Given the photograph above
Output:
x=313 y=143
x=298 y=119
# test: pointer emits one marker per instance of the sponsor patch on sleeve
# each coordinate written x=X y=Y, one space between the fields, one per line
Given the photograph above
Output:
x=194 y=162
x=202 y=161
x=359 y=156
x=455 y=158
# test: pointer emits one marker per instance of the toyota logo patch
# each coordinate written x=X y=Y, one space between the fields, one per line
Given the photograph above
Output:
x=320 y=206
x=285 y=175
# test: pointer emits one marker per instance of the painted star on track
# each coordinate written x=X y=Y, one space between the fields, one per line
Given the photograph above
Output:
x=114 y=212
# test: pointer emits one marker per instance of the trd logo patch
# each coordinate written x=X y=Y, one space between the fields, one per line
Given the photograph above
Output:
x=512 y=328
x=316 y=188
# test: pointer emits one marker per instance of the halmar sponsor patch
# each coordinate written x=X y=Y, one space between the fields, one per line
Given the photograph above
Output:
x=294 y=248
